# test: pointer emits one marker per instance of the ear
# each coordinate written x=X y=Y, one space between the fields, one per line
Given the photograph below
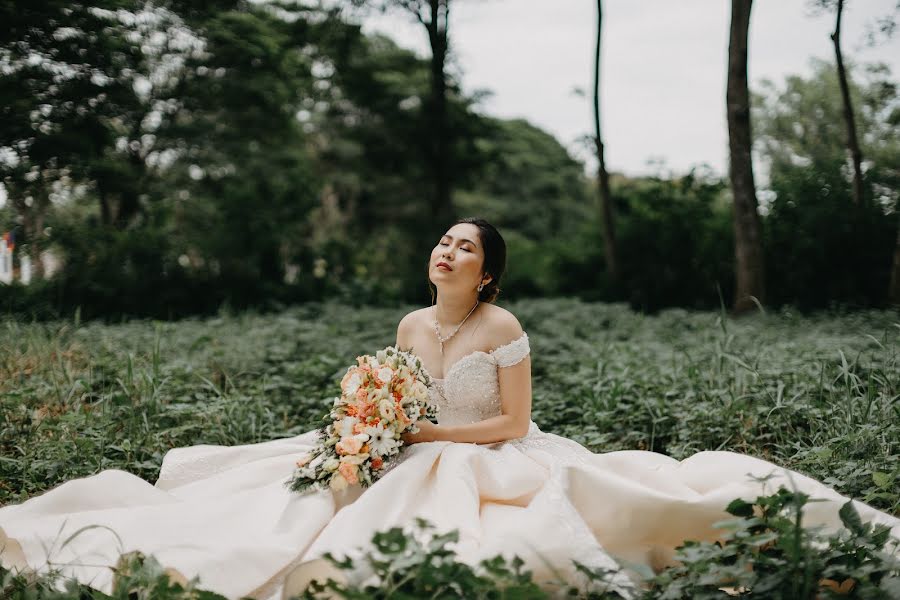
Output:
x=489 y=279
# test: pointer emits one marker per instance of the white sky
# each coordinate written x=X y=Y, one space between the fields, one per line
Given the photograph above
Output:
x=663 y=66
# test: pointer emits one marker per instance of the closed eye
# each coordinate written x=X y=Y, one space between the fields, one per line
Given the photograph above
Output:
x=443 y=243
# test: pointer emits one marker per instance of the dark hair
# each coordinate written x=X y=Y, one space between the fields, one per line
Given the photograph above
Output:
x=494 y=257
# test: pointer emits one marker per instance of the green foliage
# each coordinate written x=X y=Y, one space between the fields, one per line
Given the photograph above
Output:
x=810 y=393
x=675 y=241
x=418 y=564
x=815 y=394
x=820 y=249
x=136 y=577
x=766 y=552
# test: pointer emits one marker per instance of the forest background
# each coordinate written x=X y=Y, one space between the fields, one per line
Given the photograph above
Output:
x=176 y=157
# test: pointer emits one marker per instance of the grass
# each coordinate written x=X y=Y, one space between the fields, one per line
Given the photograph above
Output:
x=818 y=394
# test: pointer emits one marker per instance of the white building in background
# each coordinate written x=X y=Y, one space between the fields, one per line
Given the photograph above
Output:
x=26 y=269
x=6 y=263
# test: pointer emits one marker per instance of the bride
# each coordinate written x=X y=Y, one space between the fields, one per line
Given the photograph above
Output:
x=485 y=469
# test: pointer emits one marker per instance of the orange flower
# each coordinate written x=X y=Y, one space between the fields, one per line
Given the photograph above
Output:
x=349 y=472
x=348 y=445
x=367 y=409
x=377 y=462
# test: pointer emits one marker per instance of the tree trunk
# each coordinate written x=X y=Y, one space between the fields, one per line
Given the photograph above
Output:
x=441 y=155
x=105 y=211
x=749 y=268
x=894 y=291
x=35 y=247
x=607 y=218
x=849 y=120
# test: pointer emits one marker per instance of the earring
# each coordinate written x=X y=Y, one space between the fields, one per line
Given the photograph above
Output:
x=480 y=286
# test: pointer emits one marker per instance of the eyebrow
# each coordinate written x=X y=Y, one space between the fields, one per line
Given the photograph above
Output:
x=463 y=239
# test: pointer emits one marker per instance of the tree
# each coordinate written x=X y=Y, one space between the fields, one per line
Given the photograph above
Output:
x=819 y=248
x=749 y=266
x=434 y=16
x=72 y=78
x=607 y=218
x=849 y=118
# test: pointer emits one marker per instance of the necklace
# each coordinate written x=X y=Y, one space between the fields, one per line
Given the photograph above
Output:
x=437 y=327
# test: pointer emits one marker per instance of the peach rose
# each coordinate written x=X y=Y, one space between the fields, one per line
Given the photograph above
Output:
x=348 y=445
x=366 y=409
x=349 y=472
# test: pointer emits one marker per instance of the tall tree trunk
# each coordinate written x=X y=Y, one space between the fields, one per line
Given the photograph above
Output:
x=441 y=154
x=607 y=218
x=105 y=210
x=894 y=290
x=849 y=119
x=35 y=246
x=749 y=267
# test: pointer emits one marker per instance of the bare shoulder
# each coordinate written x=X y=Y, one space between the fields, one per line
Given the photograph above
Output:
x=503 y=326
x=411 y=318
x=408 y=324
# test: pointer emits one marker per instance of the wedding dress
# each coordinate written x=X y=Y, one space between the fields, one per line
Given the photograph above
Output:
x=223 y=513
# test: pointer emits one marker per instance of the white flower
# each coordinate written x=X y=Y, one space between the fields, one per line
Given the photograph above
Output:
x=385 y=374
x=316 y=462
x=373 y=362
x=386 y=408
x=381 y=355
x=354 y=459
x=381 y=442
x=345 y=427
x=331 y=464
x=353 y=384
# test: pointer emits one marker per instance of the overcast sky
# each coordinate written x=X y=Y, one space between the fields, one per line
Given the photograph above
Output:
x=663 y=66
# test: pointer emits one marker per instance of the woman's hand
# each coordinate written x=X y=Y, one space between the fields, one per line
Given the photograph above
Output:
x=427 y=433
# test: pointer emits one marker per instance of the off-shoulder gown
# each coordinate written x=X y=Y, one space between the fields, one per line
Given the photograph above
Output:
x=224 y=514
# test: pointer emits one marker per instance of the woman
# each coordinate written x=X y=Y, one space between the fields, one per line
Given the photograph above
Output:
x=223 y=513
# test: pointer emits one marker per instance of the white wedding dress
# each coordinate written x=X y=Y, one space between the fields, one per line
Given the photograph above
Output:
x=224 y=514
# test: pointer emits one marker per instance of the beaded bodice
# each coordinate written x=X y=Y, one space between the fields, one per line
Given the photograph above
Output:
x=470 y=390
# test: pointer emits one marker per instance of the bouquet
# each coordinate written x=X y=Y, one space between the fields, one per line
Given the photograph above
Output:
x=382 y=396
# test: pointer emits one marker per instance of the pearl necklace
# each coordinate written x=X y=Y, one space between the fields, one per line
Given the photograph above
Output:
x=437 y=327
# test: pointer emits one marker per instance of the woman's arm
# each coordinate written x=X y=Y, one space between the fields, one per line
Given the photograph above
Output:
x=515 y=406
x=515 y=402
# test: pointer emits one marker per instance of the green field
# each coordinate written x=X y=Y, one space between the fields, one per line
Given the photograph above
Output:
x=818 y=394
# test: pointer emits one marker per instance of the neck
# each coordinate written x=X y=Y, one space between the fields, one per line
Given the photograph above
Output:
x=450 y=310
